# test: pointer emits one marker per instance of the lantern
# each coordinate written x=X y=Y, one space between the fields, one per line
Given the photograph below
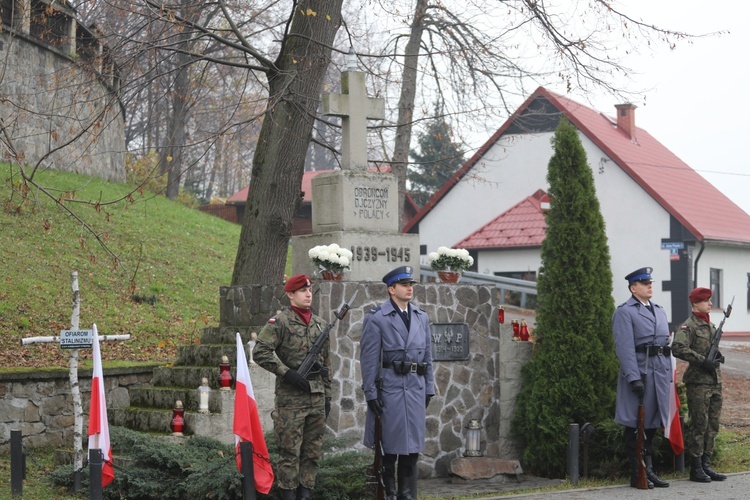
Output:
x=500 y=315
x=178 y=419
x=225 y=376
x=473 y=439
x=524 y=331
x=516 y=329
x=204 y=391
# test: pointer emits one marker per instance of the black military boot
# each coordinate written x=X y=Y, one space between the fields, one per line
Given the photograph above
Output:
x=697 y=473
x=389 y=483
x=288 y=494
x=414 y=478
x=706 y=463
x=651 y=475
x=304 y=493
x=404 y=487
x=634 y=474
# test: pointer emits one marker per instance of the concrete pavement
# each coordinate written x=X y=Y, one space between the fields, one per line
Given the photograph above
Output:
x=736 y=487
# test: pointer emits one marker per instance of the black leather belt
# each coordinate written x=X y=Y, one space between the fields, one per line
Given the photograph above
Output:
x=404 y=368
x=654 y=350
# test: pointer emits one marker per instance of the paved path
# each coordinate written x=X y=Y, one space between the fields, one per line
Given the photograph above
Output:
x=736 y=487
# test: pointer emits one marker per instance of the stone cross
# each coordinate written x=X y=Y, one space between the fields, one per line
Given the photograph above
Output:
x=354 y=108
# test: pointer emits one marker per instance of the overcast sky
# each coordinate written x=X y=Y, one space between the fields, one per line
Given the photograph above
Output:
x=698 y=105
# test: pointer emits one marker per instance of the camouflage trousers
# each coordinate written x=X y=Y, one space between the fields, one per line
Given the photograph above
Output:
x=299 y=425
x=704 y=407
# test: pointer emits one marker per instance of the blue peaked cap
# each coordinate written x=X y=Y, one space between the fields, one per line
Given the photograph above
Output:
x=643 y=273
x=399 y=275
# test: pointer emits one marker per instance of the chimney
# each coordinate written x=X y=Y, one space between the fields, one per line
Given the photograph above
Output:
x=626 y=119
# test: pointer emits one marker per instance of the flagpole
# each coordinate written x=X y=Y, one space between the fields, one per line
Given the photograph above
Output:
x=248 y=474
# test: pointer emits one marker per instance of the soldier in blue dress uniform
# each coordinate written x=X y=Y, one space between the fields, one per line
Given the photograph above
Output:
x=641 y=334
x=397 y=380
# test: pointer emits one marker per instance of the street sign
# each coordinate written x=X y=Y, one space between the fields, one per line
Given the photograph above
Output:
x=76 y=339
x=673 y=245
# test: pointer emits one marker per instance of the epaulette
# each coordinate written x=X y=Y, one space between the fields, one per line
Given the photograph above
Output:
x=374 y=310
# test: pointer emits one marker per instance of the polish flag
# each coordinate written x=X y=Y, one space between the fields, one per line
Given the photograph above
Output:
x=246 y=426
x=98 y=424
x=673 y=429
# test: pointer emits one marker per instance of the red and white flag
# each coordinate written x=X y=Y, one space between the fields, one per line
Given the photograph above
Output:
x=246 y=426
x=673 y=429
x=98 y=424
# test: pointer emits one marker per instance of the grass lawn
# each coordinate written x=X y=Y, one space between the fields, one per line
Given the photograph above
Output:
x=155 y=248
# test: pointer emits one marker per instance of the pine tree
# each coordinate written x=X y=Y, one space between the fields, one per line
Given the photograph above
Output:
x=437 y=161
x=571 y=377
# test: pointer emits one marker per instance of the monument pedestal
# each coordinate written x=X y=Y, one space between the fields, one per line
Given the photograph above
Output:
x=375 y=253
x=359 y=211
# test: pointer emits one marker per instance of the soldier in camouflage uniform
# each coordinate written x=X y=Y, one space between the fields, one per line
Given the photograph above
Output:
x=704 y=398
x=302 y=405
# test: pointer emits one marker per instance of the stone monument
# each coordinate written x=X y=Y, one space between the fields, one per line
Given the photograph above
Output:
x=354 y=207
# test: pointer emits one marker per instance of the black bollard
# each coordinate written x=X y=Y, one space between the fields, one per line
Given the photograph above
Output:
x=17 y=464
x=573 y=437
x=95 y=474
x=248 y=474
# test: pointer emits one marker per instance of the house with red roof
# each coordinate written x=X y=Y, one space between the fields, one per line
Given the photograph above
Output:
x=658 y=211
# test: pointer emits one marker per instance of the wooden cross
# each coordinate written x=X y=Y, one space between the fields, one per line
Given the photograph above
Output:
x=354 y=108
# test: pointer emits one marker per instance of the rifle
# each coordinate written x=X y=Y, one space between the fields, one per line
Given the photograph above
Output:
x=710 y=362
x=310 y=365
x=377 y=463
x=642 y=481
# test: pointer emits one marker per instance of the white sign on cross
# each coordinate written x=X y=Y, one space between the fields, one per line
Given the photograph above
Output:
x=354 y=108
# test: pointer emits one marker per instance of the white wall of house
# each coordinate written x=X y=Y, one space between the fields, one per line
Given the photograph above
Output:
x=734 y=263
x=509 y=261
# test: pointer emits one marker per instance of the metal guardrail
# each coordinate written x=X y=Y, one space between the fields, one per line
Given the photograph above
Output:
x=525 y=288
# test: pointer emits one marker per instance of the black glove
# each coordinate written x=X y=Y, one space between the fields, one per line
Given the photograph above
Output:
x=709 y=366
x=317 y=369
x=328 y=406
x=375 y=406
x=638 y=387
x=293 y=377
x=427 y=399
x=720 y=357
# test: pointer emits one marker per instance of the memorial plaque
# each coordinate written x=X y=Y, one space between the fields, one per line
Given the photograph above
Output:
x=450 y=341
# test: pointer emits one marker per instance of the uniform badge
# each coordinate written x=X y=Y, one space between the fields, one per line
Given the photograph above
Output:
x=683 y=327
x=272 y=320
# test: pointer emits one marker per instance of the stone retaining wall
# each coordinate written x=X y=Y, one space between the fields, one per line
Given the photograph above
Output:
x=40 y=404
x=59 y=111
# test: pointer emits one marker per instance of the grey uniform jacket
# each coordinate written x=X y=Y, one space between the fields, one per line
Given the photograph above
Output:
x=634 y=325
x=403 y=396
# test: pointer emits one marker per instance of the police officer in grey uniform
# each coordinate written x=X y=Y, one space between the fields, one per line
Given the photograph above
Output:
x=302 y=405
x=397 y=380
x=641 y=334
x=703 y=383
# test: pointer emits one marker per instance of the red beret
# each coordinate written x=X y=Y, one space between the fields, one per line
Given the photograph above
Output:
x=296 y=282
x=699 y=295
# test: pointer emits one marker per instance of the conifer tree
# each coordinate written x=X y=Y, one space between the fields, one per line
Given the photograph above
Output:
x=437 y=161
x=571 y=377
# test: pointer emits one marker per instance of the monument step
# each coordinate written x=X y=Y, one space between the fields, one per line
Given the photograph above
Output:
x=165 y=397
x=228 y=334
x=216 y=425
x=207 y=354
x=188 y=377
